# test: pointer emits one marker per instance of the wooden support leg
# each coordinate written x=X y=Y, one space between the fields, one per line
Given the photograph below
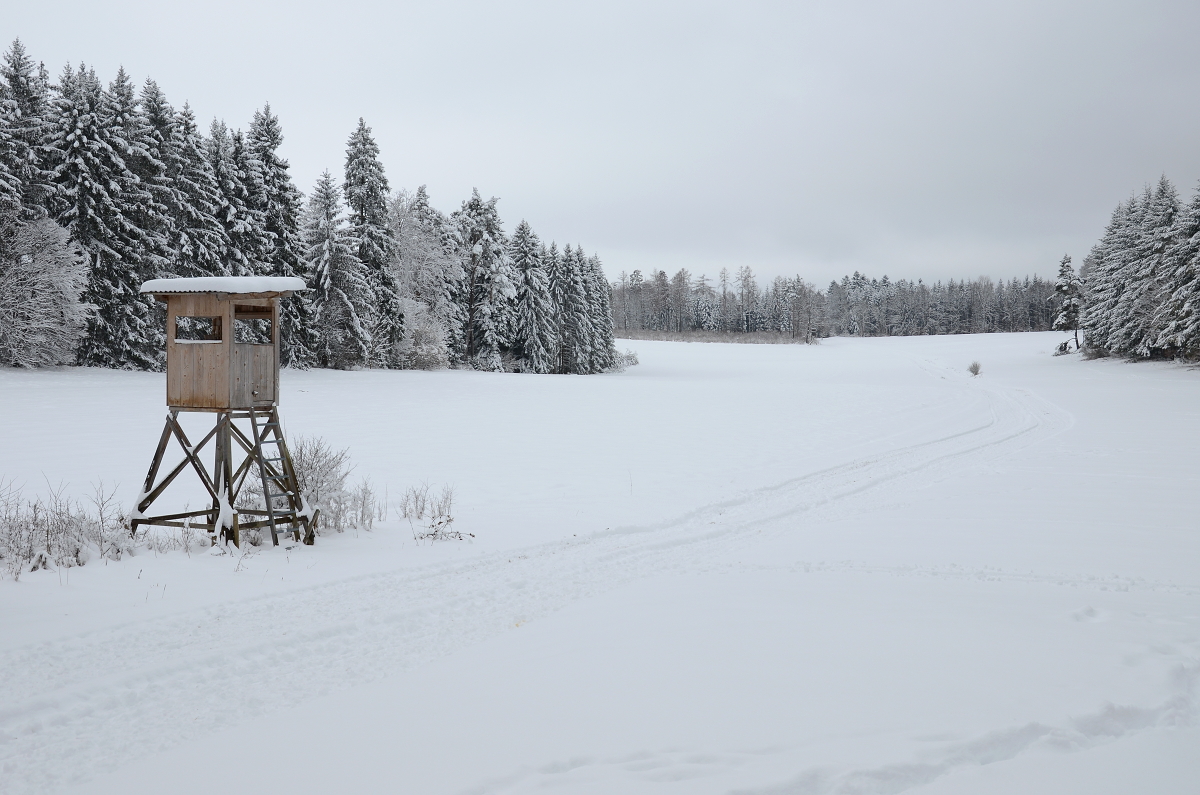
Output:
x=223 y=477
x=153 y=472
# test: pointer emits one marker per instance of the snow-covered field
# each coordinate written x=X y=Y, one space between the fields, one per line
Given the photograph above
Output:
x=846 y=568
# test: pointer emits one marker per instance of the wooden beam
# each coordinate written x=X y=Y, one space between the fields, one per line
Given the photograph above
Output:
x=184 y=515
x=189 y=451
x=153 y=495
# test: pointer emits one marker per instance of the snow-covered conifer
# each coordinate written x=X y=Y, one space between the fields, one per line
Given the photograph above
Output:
x=280 y=204
x=25 y=94
x=341 y=291
x=198 y=245
x=557 y=282
x=366 y=190
x=1068 y=289
x=144 y=182
x=532 y=338
x=91 y=176
x=11 y=186
x=703 y=305
x=1137 y=309
x=1106 y=277
x=490 y=287
x=604 y=348
x=243 y=224
x=1179 y=315
x=576 y=332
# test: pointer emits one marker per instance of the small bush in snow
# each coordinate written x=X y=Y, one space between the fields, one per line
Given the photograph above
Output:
x=627 y=359
x=975 y=369
x=322 y=473
x=431 y=516
x=162 y=540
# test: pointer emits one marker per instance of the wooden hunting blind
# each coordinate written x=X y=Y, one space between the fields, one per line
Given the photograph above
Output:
x=223 y=358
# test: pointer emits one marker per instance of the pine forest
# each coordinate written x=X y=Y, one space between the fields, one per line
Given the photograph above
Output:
x=103 y=187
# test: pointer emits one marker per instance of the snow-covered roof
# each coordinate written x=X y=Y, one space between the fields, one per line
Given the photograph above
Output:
x=239 y=285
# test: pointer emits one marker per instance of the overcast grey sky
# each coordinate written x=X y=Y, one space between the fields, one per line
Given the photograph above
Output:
x=928 y=139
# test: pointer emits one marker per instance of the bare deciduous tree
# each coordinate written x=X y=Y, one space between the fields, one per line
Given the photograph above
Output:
x=42 y=277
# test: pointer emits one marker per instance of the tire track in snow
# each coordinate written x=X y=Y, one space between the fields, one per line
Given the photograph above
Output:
x=81 y=705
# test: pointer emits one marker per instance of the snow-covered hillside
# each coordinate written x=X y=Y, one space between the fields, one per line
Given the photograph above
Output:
x=849 y=567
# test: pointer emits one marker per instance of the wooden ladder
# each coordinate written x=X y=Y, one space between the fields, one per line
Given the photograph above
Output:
x=281 y=490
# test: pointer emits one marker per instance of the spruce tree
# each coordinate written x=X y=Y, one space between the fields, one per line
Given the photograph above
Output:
x=1069 y=291
x=1106 y=276
x=241 y=222
x=26 y=105
x=11 y=186
x=90 y=175
x=533 y=316
x=366 y=190
x=1135 y=331
x=604 y=347
x=144 y=183
x=280 y=203
x=490 y=286
x=260 y=246
x=569 y=290
x=341 y=291
x=1179 y=315
x=199 y=244
x=585 y=353
x=558 y=283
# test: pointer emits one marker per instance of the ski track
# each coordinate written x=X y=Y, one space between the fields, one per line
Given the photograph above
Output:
x=79 y=705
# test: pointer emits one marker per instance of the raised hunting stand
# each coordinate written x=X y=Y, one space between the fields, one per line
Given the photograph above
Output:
x=223 y=358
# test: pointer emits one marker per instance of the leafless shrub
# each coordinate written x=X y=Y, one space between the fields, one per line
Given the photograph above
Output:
x=414 y=502
x=431 y=516
x=110 y=523
x=42 y=276
x=159 y=540
x=54 y=531
x=975 y=369
x=624 y=360
x=321 y=473
x=423 y=345
x=364 y=505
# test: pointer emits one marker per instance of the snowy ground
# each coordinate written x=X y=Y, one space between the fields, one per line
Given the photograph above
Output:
x=848 y=568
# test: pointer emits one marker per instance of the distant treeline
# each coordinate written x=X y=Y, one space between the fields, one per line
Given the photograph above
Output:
x=104 y=187
x=854 y=306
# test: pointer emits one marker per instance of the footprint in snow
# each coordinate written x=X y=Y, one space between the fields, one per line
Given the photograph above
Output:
x=1089 y=615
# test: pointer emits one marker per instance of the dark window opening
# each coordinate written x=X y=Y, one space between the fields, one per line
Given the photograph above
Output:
x=198 y=329
x=253 y=330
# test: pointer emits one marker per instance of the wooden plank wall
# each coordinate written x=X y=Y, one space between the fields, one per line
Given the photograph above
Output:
x=253 y=371
x=198 y=372
x=224 y=374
